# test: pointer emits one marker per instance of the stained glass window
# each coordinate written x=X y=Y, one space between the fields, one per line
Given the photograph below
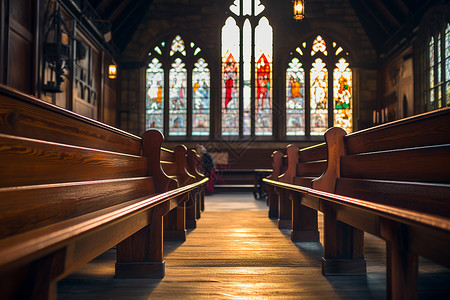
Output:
x=177 y=46
x=230 y=78
x=319 y=97
x=295 y=100
x=319 y=45
x=247 y=101
x=342 y=94
x=263 y=86
x=431 y=73
x=177 y=98
x=447 y=64
x=169 y=107
x=155 y=95
x=201 y=95
x=309 y=98
x=437 y=68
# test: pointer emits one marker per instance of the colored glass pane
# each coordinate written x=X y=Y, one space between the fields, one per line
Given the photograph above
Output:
x=247 y=7
x=319 y=97
x=177 y=98
x=259 y=8
x=154 y=96
x=235 y=7
x=342 y=93
x=230 y=78
x=200 y=96
x=177 y=46
x=158 y=50
x=263 y=77
x=447 y=41
x=319 y=45
x=247 y=59
x=447 y=64
x=295 y=100
x=431 y=53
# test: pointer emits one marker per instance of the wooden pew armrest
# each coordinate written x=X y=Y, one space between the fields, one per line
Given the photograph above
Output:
x=402 y=215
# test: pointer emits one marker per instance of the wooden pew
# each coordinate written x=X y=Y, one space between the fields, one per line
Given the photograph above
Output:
x=192 y=166
x=300 y=168
x=173 y=163
x=311 y=163
x=71 y=189
x=279 y=166
x=392 y=181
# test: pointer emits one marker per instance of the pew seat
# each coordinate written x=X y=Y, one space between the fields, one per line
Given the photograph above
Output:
x=392 y=181
x=71 y=189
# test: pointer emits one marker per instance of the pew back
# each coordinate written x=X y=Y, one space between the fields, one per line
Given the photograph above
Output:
x=71 y=189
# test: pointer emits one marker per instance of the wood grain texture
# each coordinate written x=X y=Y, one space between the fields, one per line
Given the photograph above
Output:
x=22 y=115
x=243 y=255
x=31 y=162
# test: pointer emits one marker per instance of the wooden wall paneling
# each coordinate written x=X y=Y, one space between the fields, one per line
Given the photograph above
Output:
x=21 y=56
x=3 y=40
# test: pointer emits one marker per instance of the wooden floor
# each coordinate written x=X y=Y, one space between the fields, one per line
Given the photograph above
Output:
x=237 y=252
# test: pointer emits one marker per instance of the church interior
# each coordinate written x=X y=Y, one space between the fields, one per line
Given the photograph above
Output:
x=327 y=122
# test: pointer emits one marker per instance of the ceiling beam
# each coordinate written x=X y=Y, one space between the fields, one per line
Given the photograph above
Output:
x=119 y=9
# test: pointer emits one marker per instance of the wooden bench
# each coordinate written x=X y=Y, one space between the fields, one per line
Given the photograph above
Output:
x=392 y=181
x=304 y=165
x=72 y=188
x=279 y=166
x=184 y=216
x=192 y=166
x=299 y=167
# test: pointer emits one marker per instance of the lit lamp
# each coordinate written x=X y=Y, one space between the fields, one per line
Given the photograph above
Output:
x=299 y=9
x=112 y=71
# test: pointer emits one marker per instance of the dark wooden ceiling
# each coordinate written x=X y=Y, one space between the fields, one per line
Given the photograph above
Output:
x=123 y=16
x=385 y=21
x=390 y=22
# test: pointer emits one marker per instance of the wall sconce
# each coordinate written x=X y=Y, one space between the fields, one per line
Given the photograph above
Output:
x=112 y=71
x=299 y=9
x=56 y=51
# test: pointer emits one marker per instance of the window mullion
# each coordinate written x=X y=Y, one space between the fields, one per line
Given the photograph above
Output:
x=166 y=68
x=307 y=103
x=330 y=100
x=241 y=76
x=189 y=105
x=252 y=84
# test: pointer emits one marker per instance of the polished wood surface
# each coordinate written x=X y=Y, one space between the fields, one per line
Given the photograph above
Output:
x=236 y=252
x=69 y=195
x=392 y=181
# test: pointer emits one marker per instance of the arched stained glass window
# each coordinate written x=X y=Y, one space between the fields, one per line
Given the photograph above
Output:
x=263 y=71
x=247 y=101
x=155 y=95
x=342 y=92
x=177 y=98
x=201 y=95
x=311 y=95
x=295 y=100
x=170 y=106
x=230 y=78
x=319 y=97
x=447 y=64
x=437 y=89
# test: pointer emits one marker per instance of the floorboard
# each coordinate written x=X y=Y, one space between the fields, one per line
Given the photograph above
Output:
x=237 y=252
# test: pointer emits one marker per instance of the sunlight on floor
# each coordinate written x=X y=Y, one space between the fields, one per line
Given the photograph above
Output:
x=234 y=201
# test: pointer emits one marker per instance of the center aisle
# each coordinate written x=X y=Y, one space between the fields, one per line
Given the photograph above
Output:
x=236 y=252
